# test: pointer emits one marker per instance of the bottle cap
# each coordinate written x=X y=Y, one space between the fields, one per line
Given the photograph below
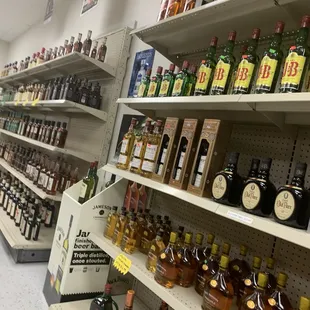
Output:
x=210 y=238
x=193 y=69
x=224 y=261
x=282 y=279
x=270 y=262
x=279 y=27
x=173 y=237
x=199 y=238
x=214 y=41
x=159 y=70
x=265 y=164
x=305 y=22
x=300 y=170
x=243 y=249
x=233 y=158
x=255 y=164
x=256 y=33
x=185 y=64
x=304 y=303
x=262 y=279
x=226 y=248
x=188 y=238
x=232 y=35
x=172 y=67
x=149 y=71
x=257 y=262
x=215 y=249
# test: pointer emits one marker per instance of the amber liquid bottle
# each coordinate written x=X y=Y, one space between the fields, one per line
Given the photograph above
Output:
x=207 y=249
x=111 y=223
x=148 y=236
x=197 y=250
x=157 y=246
x=272 y=281
x=119 y=229
x=129 y=239
x=173 y=8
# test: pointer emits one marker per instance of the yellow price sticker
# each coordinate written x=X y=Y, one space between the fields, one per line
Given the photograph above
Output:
x=122 y=264
x=35 y=102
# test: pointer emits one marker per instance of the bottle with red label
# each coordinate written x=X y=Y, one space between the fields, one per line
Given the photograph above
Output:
x=296 y=63
x=247 y=66
x=224 y=67
x=271 y=63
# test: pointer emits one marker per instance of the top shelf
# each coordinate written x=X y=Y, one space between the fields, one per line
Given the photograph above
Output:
x=74 y=63
x=216 y=19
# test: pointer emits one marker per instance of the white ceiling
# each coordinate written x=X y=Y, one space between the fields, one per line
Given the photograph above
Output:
x=17 y=16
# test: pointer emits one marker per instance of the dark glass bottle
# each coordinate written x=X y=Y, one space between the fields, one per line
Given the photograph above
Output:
x=63 y=87
x=102 y=50
x=78 y=44
x=155 y=83
x=200 y=163
x=192 y=81
x=167 y=82
x=258 y=195
x=61 y=136
x=87 y=44
x=254 y=168
x=105 y=301
x=69 y=46
x=272 y=281
x=57 y=89
x=93 y=53
x=197 y=250
x=95 y=97
x=48 y=133
x=181 y=81
x=227 y=184
x=70 y=88
x=54 y=133
x=207 y=249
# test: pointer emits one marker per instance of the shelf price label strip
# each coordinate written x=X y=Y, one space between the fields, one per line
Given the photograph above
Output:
x=122 y=263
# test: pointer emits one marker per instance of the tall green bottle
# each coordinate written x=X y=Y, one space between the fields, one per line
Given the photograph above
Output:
x=155 y=83
x=145 y=84
x=181 y=81
x=88 y=185
x=167 y=83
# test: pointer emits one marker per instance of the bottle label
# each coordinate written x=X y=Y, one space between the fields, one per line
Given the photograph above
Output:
x=68 y=184
x=221 y=75
x=202 y=164
x=27 y=229
x=124 y=146
x=204 y=75
x=41 y=178
x=181 y=160
x=164 y=88
x=135 y=163
x=163 y=156
x=1 y=196
x=147 y=166
x=160 y=169
x=141 y=91
x=122 y=159
x=48 y=217
x=244 y=74
x=284 y=205
x=266 y=73
x=83 y=190
x=178 y=174
x=152 y=89
x=251 y=196
x=45 y=181
x=13 y=209
x=18 y=215
x=150 y=152
x=197 y=180
x=293 y=69
x=216 y=300
x=219 y=187
x=189 y=89
x=177 y=88
x=9 y=206
x=50 y=184
x=138 y=147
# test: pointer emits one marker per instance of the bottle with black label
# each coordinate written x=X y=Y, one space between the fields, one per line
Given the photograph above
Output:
x=291 y=207
x=21 y=207
x=29 y=227
x=15 y=203
x=49 y=214
x=36 y=228
x=258 y=195
x=227 y=184
x=23 y=223
x=35 y=208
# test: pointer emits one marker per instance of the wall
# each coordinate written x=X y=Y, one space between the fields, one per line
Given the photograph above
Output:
x=4 y=49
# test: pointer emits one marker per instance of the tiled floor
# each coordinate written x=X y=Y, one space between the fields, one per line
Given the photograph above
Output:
x=21 y=284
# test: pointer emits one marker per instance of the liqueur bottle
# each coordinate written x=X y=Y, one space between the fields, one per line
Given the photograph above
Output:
x=102 y=51
x=163 y=9
x=163 y=306
x=111 y=223
x=291 y=206
x=105 y=301
x=129 y=300
x=157 y=246
x=271 y=63
x=224 y=68
x=207 y=249
x=200 y=163
x=93 y=53
x=258 y=195
x=181 y=81
x=87 y=185
x=155 y=83
x=128 y=244
x=119 y=229
x=272 y=281
x=296 y=63
x=69 y=46
x=192 y=81
x=254 y=168
x=247 y=66
x=167 y=82
x=304 y=303
x=87 y=44
x=78 y=45
x=206 y=70
x=148 y=235
x=197 y=250
x=145 y=84
x=172 y=8
x=189 y=5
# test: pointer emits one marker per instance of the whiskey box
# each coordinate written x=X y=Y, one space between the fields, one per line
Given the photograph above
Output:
x=210 y=156
x=167 y=150
x=185 y=153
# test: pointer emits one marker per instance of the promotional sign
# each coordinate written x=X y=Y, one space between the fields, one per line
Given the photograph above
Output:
x=49 y=11
x=88 y=5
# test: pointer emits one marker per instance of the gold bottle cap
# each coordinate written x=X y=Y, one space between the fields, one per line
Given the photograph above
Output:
x=282 y=279
x=226 y=248
x=210 y=238
x=173 y=237
x=188 y=237
x=215 y=249
x=129 y=298
x=199 y=238
x=257 y=262
x=262 y=279
x=243 y=249
x=224 y=261
x=304 y=303
x=270 y=262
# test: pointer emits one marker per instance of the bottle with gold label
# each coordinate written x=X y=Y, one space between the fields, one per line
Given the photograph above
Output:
x=155 y=83
x=224 y=67
x=167 y=83
x=148 y=235
x=173 y=8
x=167 y=264
x=278 y=299
x=291 y=206
x=187 y=266
x=219 y=291
x=247 y=66
x=207 y=249
x=271 y=63
x=197 y=250
x=272 y=281
x=127 y=145
x=258 y=195
x=145 y=84
x=227 y=184
x=119 y=229
x=304 y=303
x=206 y=70
x=157 y=246
x=130 y=234
x=207 y=268
x=258 y=299
x=111 y=223
x=181 y=81
x=296 y=63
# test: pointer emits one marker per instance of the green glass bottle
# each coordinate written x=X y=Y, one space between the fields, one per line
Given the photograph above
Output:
x=192 y=81
x=167 y=83
x=271 y=63
x=224 y=67
x=145 y=84
x=296 y=63
x=206 y=70
x=88 y=185
x=155 y=83
x=181 y=81
x=247 y=66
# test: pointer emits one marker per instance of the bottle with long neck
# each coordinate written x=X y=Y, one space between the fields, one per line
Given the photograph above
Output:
x=181 y=81
x=198 y=249
x=207 y=249
x=87 y=185
x=254 y=168
x=272 y=281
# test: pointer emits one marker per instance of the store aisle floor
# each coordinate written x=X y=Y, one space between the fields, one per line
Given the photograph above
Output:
x=21 y=284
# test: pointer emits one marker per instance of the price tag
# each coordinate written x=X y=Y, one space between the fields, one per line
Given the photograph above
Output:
x=35 y=102
x=122 y=264
x=240 y=217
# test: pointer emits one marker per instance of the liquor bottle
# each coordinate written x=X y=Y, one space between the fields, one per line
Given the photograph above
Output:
x=258 y=299
x=167 y=83
x=15 y=203
x=182 y=6
x=54 y=133
x=55 y=53
x=152 y=146
x=129 y=300
x=111 y=181
x=111 y=223
x=93 y=53
x=155 y=83
x=206 y=70
x=50 y=214
x=192 y=81
x=163 y=10
x=127 y=145
x=291 y=206
x=29 y=227
x=164 y=306
x=247 y=66
x=87 y=185
x=207 y=249
x=197 y=250
x=157 y=246
x=227 y=184
x=271 y=63
x=69 y=46
x=128 y=244
x=148 y=235
x=64 y=253
x=278 y=299
x=145 y=83
x=142 y=198
x=141 y=220
x=7 y=195
x=258 y=195
x=78 y=44
x=23 y=223
x=53 y=181
x=181 y=81
x=40 y=59
x=304 y=303
x=167 y=264
x=272 y=281
x=173 y=8
x=21 y=207
x=36 y=228
x=105 y=301
x=87 y=44
x=61 y=136
x=11 y=200
x=219 y=291
x=189 y=5
x=296 y=63
x=224 y=67
x=3 y=191
x=200 y=163
x=207 y=269
x=102 y=52
x=119 y=229
x=187 y=263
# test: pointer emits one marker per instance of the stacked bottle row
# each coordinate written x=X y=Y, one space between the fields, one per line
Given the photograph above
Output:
x=23 y=207
x=225 y=76
x=49 y=132
x=50 y=175
x=88 y=48
x=256 y=194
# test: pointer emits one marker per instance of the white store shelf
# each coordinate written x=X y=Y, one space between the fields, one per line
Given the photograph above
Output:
x=178 y=298
x=78 y=154
x=29 y=183
x=17 y=241
x=85 y=304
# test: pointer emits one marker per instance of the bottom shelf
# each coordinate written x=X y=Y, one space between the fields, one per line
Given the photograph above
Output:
x=85 y=304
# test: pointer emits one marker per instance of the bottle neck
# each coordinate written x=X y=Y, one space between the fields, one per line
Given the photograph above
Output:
x=298 y=181
x=211 y=52
x=253 y=46
x=263 y=174
x=302 y=37
x=231 y=167
x=260 y=290
x=229 y=48
x=276 y=41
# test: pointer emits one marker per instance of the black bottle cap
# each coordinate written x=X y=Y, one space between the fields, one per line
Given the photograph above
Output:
x=300 y=170
x=58 y=124
x=255 y=164
x=233 y=158
x=265 y=164
x=53 y=123
x=64 y=125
